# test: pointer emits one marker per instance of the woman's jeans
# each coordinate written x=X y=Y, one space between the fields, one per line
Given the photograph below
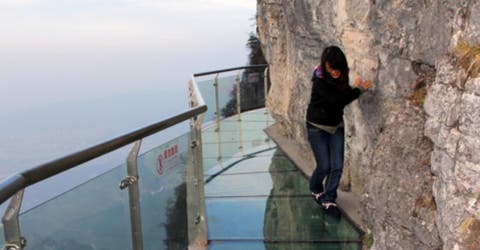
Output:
x=328 y=150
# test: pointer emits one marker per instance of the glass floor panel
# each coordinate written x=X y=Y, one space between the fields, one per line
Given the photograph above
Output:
x=258 y=161
x=234 y=138
x=255 y=164
x=256 y=184
x=284 y=219
x=260 y=245
x=254 y=176
x=215 y=159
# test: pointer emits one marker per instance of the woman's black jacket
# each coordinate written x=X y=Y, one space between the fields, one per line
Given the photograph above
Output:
x=328 y=100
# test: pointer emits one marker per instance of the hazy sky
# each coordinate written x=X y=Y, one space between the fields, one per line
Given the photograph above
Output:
x=62 y=50
x=74 y=73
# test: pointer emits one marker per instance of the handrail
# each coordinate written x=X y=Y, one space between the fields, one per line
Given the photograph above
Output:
x=230 y=69
x=17 y=182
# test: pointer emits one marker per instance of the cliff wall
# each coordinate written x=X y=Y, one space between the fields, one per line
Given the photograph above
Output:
x=413 y=141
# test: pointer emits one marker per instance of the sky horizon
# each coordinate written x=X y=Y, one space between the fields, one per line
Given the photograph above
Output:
x=75 y=73
x=54 y=51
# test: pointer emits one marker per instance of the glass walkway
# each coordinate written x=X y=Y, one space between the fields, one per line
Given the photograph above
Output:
x=244 y=193
x=258 y=199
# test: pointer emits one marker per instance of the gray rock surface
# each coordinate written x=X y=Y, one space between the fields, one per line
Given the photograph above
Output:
x=414 y=162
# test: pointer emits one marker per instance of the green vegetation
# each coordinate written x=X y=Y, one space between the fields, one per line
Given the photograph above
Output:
x=252 y=93
x=471 y=229
x=417 y=98
x=256 y=55
x=426 y=201
x=468 y=57
x=426 y=76
x=368 y=241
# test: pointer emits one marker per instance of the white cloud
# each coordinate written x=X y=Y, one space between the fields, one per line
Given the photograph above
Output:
x=247 y=4
x=19 y=2
x=27 y=3
x=195 y=5
x=166 y=21
x=184 y=4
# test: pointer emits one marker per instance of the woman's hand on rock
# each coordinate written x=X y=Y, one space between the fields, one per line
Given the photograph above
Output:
x=365 y=85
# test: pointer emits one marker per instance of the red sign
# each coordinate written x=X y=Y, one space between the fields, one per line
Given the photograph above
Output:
x=165 y=159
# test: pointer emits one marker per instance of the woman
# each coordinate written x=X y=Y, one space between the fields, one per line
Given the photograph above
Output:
x=331 y=92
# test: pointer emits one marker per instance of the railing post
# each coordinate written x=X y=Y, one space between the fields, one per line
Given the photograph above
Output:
x=131 y=181
x=217 y=103
x=239 y=106
x=265 y=84
x=265 y=92
x=197 y=224
x=239 y=112
x=217 y=120
x=11 y=225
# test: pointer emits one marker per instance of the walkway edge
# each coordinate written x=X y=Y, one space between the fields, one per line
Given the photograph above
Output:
x=349 y=203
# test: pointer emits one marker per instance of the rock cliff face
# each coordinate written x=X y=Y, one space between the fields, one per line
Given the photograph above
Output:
x=414 y=161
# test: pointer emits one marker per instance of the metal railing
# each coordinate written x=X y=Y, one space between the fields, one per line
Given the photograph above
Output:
x=195 y=193
x=13 y=187
x=239 y=106
x=17 y=182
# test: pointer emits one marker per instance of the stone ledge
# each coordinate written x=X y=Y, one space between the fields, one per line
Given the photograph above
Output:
x=347 y=202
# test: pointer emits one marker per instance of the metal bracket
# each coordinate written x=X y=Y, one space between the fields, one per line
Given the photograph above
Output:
x=11 y=225
x=10 y=246
x=195 y=182
x=198 y=219
x=129 y=180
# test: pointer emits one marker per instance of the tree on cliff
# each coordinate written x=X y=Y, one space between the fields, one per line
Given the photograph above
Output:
x=251 y=83
x=256 y=53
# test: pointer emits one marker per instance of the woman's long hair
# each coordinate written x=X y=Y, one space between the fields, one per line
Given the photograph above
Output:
x=337 y=60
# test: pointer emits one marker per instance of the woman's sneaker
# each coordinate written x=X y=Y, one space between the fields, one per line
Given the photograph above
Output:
x=318 y=197
x=327 y=205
